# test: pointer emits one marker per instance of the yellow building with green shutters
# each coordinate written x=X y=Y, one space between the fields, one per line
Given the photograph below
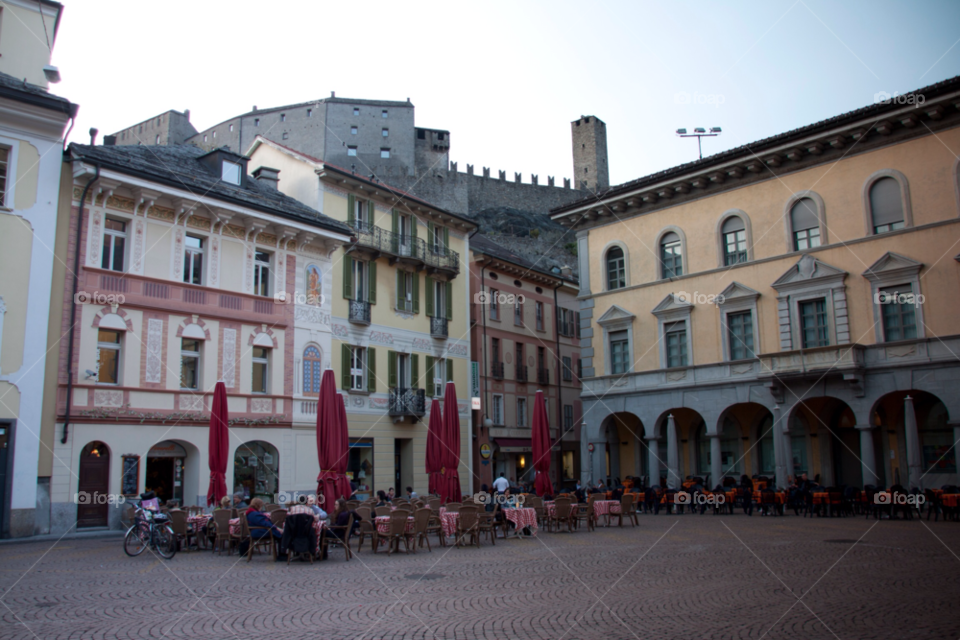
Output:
x=391 y=318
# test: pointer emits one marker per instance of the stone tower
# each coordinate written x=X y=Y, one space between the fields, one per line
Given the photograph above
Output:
x=590 y=170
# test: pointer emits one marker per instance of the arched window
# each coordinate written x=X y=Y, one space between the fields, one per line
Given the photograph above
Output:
x=886 y=205
x=256 y=470
x=616 y=269
x=671 y=256
x=311 y=371
x=734 y=241
x=805 y=224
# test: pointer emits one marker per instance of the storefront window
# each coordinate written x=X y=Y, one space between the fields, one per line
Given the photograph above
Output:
x=568 y=465
x=360 y=466
x=165 y=470
x=256 y=468
x=936 y=439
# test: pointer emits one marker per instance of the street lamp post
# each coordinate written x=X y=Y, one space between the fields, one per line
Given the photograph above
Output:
x=699 y=132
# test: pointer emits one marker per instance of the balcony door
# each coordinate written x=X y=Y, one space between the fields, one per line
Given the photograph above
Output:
x=405 y=235
x=403 y=371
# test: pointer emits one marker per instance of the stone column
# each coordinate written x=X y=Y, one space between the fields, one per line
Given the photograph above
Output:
x=914 y=460
x=653 y=459
x=673 y=456
x=868 y=461
x=716 y=468
x=781 y=454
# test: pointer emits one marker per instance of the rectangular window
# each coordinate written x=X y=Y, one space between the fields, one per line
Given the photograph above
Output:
x=193 y=260
x=520 y=362
x=189 y=364
x=359 y=281
x=497 y=416
x=439 y=377
x=676 y=342
x=494 y=304
x=358 y=366
x=807 y=238
x=437 y=243
x=109 y=350
x=309 y=113
x=567 y=368
x=579 y=369
x=383 y=114
x=351 y=151
x=261 y=370
x=384 y=153
x=813 y=324
x=283 y=117
x=231 y=127
x=439 y=299
x=619 y=357
x=521 y=412
x=356 y=111
x=568 y=417
x=672 y=259
x=385 y=133
x=353 y=130
x=518 y=313
x=740 y=335
x=405 y=294
x=495 y=351
x=539 y=311
x=256 y=122
x=114 y=241
x=898 y=311
x=734 y=247
x=230 y=172
x=261 y=273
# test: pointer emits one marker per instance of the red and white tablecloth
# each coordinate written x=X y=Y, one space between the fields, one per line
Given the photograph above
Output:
x=521 y=518
x=197 y=523
x=606 y=507
x=449 y=522
x=318 y=525
x=383 y=525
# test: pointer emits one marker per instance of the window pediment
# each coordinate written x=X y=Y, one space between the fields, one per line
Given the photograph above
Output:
x=737 y=292
x=892 y=265
x=673 y=303
x=808 y=271
x=616 y=317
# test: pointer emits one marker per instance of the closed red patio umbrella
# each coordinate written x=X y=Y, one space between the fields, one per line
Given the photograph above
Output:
x=219 y=445
x=541 y=446
x=344 y=488
x=434 y=448
x=450 y=479
x=331 y=446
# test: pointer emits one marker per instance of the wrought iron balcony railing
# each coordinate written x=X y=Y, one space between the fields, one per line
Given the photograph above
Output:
x=406 y=247
x=438 y=327
x=407 y=402
x=359 y=312
x=497 y=370
x=521 y=371
x=543 y=375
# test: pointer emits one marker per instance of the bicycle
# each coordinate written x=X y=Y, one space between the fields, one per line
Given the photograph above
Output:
x=150 y=529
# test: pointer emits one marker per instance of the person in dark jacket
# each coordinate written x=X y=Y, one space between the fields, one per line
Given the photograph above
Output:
x=257 y=517
x=746 y=494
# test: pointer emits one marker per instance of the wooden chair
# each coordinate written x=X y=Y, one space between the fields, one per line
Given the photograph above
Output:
x=453 y=507
x=183 y=532
x=421 y=528
x=278 y=517
x=221 y=527
x=488 y=522
x=270 y=508
x=246 y=534
x=382 y=511
x=337 y=536
x=563 y=515
x=434 y=504
x=368 y=527
x=353 y=504
x=468 y=525
x=584 y=512
x=398 y=530
x=628 y=510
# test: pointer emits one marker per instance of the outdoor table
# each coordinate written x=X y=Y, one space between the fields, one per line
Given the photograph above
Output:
x=522 y=517
x=197 y=523
x=449 y=521
x=383 y=525
x=950 y=500
x=821 y=497
x=605 y=508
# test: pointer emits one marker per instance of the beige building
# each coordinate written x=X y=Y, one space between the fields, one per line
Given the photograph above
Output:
x=787 y=307
x=32 y=126
x=400 y=315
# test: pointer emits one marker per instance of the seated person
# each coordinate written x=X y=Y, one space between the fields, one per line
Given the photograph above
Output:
x=509 y=500
x=257 y=517
x=340 y=517
x=238 y=502
x=382 y=499
x=318 y=511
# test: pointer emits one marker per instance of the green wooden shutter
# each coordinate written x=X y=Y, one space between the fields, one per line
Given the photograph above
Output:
x=396 y=221
x=429 y=386
x=429 y=235
x=400 y=291
x=428 y=281
x=370 y=212
x=395 y=227
x=449 y=298
x=446 y=237
x=371 y=370
x=348 y=278
x=372 y=282
x=351 y=209
x=416 y=292
x=415 y=371
x=344 y=366
x=391 y=369
x=413 y=227
x=449 y=370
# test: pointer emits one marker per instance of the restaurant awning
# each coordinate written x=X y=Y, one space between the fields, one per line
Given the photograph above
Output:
x=514 y=445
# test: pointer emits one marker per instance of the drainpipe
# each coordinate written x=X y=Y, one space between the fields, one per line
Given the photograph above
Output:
x=73 y=300
x=556 y=331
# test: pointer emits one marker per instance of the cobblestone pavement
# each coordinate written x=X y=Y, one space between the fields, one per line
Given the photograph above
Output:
x=685 y=576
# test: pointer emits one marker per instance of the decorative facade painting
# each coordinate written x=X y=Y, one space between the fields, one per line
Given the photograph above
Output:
x=313 y=282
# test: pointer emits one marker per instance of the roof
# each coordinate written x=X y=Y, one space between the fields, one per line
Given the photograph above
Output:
x=310 y=103
x=754 y=149
x=484 y=245
x=180 y=166
x=151 y=118
x=359 y=178
x=22 y=91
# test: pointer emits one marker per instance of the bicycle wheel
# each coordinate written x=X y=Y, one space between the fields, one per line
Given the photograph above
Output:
x=166 y=542
x=133 y=542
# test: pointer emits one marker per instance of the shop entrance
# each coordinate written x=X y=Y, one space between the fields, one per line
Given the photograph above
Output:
x=360 y=466
x=93 y=486
x=165 y=470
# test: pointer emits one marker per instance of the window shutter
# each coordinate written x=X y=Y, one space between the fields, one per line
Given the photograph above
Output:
x=803 y=215
x=401 y=294
x=415 y=370
x=430 y=386
x=351 y=209
x=446 y=238
x=429 y=235
x=428 y=281
x=372 y=282
x=348 y=278
x=449 y=370
x=416 y=292
x=449 y=298
x=391 y=369
x=576 y=319
x=413 y=227
x=395 y=227
x=370 y=212
x=886 y=204
x=344 y=366
x=371 y=370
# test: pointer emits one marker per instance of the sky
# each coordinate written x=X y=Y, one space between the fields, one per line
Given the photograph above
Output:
x=508 y=78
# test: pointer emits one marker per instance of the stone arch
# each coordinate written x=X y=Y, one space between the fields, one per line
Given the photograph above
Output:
x=263 y=337
x=194 y=328
x=107 y=318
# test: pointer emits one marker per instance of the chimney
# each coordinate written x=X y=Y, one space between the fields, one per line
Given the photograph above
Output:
x=109 y=141
x=93 y=135
x=566 y=270
x=333 y=94
x=186 y=114
x=268 y=177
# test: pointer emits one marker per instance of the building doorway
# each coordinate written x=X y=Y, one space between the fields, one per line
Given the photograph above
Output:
x=93 y=486
x=165 y=462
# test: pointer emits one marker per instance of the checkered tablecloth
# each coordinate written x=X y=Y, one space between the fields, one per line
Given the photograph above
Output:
x=383 y=525
x=197 y=523
x=449 y=522
x=606 y=507
x=521 y=518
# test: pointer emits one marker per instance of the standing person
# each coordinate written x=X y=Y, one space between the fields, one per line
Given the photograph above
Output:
x=746 y=494
x=501 y=484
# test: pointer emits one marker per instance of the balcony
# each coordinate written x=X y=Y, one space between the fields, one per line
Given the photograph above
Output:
x=496 y=370
x=813 y=363
x=403 y=248
x=438 y=327
x=407 y=402
x=543 y=376
x=521 y=372
x=359 y=312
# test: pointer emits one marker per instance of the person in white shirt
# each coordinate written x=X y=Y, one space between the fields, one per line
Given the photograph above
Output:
x=501 y=484
x=317 y=509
